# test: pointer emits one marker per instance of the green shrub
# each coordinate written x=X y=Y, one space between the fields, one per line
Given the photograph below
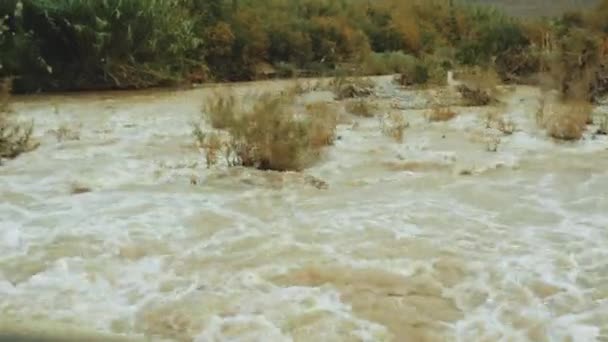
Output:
x=77 y=44
x=412 y=70
x=384 y=63
x=492 y=36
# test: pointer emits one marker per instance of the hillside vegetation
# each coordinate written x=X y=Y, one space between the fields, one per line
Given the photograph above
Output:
x=538 y=8
x=89 y=44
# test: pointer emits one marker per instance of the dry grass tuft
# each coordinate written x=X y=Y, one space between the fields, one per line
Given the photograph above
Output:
x=219 y=110
x=270 y=135
x=360 y=107
x=441 y=114
x=394 y=125
x=211 y=143
x=15 y=138
x=323 y=120
x=565 y=121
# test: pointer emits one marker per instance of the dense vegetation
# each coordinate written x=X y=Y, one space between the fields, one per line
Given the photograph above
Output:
x=91 y=44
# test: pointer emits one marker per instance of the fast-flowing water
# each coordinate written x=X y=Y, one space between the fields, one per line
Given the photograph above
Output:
x=115 y=225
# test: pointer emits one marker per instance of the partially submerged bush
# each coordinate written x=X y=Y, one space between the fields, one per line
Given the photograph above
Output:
x=494 y=119
x=360 y=107
x=346 y=88
x=15 y=138
x=566 y=121
x=270 y=135
x=603 y=125
x=479 y=87
x=474 y=96
x=219 y=109
x=66 y=132
x=323 y=120
x=441 y=114
x=211 y=143
x=394 y=125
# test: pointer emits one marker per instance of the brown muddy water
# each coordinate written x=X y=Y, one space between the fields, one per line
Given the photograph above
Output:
x=115 y=227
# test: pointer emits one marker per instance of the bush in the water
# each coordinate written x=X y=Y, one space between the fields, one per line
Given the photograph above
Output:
x=15 y=138
x=351 y=87
x=270 y=135
x=220 y=110
x=441 y=114
x=360 y=107
x=393 y=125
x=479 y=86
x=565 y=120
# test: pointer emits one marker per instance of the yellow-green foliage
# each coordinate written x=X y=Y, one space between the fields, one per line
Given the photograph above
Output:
x=270 y=135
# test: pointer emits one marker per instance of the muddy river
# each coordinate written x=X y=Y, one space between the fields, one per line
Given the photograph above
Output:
x=115 y=229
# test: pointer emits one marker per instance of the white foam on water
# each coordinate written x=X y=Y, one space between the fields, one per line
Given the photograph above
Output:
x=467 y=244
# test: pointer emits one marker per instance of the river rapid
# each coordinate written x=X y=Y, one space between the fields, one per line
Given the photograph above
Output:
x=115 y=226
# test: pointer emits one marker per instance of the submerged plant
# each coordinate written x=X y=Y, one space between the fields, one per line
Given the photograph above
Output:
x=441 y=114
x=270 y=135
x=479 y=86
x=15 y=138
x=565 y=120
x=393 y=126
x=360 y=107
x=603 y=125
x=351 y=87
